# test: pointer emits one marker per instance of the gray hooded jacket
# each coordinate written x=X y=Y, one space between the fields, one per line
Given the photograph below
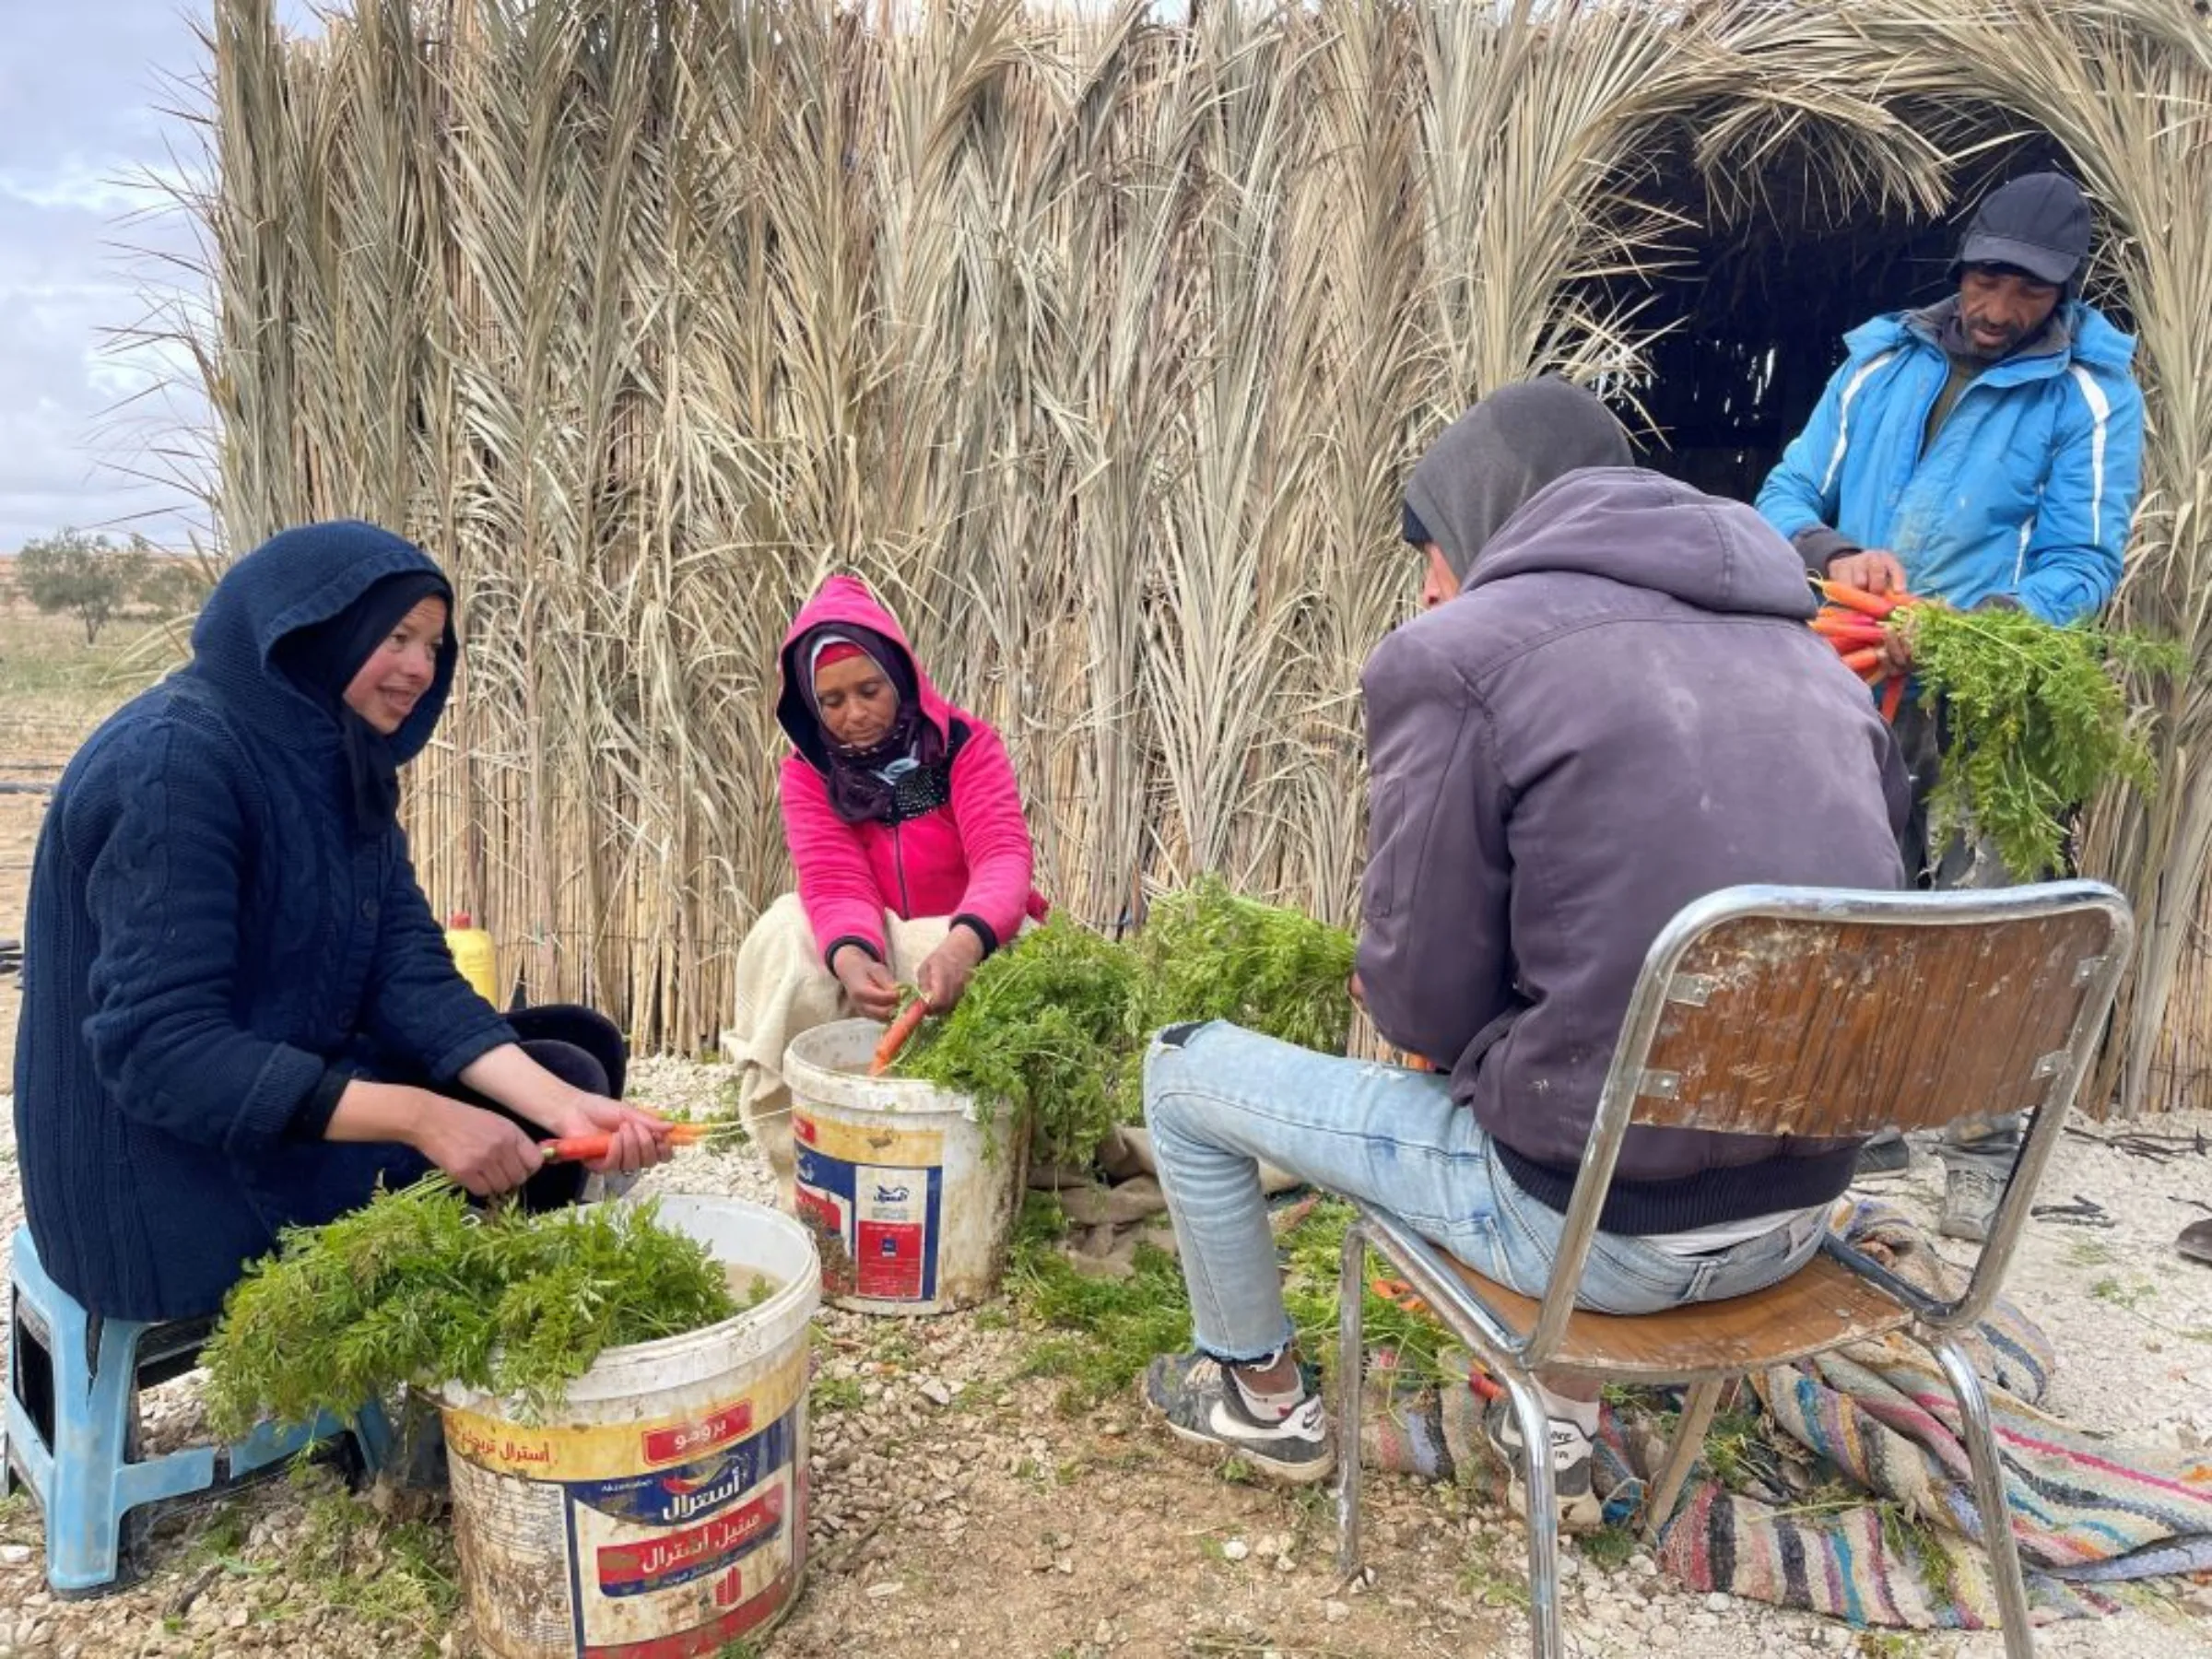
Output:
x=1621 y=713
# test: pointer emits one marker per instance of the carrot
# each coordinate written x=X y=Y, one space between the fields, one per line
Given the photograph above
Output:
x=895 y=1038
x=1850 y=598
x=589 y=1148
x=1830 y=616
x=1893 y=698
x=1846 y=643
x=1867 y=656
x=1848 y=626
x=1399 y=1291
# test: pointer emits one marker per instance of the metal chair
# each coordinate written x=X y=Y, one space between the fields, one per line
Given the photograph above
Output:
x=1769 y=1010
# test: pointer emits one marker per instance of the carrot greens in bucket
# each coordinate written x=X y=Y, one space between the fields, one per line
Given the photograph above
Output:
x=415 y=1288
x=1056 y=1024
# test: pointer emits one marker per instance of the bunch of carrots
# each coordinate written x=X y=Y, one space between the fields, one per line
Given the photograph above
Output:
x=1857 y=624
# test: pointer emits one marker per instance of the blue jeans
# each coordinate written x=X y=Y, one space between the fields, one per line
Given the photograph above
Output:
x=1220 y=1100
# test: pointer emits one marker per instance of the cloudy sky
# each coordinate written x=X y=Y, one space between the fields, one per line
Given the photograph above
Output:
x=89 y=94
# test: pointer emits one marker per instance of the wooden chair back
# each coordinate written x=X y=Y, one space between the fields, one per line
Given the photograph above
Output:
x=1910 y=1011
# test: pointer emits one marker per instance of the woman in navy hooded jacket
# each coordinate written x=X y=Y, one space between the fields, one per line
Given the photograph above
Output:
x=238 y=1012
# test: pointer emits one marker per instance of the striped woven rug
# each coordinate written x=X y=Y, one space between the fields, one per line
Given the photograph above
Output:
x=1850 y=1493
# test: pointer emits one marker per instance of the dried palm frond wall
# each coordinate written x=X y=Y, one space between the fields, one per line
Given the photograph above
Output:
x=1101 y=344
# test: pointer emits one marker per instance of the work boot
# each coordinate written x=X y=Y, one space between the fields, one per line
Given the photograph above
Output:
x=1969 y=1202
x=1205 y=1408
x=1580 y=1510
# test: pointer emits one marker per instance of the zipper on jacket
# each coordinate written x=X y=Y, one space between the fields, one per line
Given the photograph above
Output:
x=1926 y=446
x=906 y=904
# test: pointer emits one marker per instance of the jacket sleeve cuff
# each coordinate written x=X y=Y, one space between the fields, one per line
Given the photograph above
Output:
x=981 y=929
x=1819 y=547
x=312 y=1120
x=285 y=1081
x=836 y=945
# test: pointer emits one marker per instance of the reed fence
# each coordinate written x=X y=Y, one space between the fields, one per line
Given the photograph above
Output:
x=1101 y=342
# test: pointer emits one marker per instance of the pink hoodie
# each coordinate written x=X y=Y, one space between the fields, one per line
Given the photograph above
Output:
x=969 y=859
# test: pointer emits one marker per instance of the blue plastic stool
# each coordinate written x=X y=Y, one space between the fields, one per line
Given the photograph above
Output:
x=72 y=1412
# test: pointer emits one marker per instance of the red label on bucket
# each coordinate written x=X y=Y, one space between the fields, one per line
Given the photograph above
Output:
x=709 y=1638
x=673 y=1445
x=888 y=1261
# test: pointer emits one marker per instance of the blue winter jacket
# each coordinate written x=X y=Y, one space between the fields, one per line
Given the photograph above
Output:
x=2026 y=492
x=206 y=932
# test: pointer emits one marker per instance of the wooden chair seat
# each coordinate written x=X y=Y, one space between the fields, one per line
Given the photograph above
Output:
x=1820 y=1306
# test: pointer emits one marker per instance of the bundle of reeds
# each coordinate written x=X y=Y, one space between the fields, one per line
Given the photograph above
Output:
x=1100 y=343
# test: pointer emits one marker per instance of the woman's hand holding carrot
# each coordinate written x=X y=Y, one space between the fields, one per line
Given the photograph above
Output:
x=868 y=982
x=485 y=1153
x=637 y=1139
x=945 y=972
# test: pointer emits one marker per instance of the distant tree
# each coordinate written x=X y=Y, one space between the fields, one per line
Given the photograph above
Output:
x=172 y=587
x=89 y=576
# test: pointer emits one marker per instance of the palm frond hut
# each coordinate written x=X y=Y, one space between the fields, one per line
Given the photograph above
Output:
x=1101 y=343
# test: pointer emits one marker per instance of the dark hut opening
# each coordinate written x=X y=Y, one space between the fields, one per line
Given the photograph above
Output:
x=1757 y=303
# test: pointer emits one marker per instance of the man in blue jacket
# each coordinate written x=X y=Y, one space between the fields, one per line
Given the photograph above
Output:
x=1986 y=448
x=1983 y=452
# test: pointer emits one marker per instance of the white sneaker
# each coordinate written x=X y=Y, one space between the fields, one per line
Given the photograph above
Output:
x=1580 y=1510
x=1204 y=1408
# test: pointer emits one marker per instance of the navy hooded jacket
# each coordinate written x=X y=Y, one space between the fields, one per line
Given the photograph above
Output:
x=206 y=934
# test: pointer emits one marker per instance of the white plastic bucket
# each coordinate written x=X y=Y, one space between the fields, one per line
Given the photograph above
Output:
x=909 y=1195
x=664 y=1513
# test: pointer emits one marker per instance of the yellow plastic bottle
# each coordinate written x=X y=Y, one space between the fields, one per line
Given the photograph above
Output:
x=475 y=955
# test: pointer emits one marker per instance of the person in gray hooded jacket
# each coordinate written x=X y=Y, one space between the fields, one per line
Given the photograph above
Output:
x=1609 y=707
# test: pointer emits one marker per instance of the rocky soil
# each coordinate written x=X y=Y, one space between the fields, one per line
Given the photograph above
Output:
x=956 y=1511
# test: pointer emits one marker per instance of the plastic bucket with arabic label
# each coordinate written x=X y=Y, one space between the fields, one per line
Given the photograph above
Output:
x=660 y=1511
x=909 y=1190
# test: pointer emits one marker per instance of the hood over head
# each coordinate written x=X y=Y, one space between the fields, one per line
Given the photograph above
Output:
x=1651 y=531
x=1489 y=462
x=306 y=579
x=844 y=607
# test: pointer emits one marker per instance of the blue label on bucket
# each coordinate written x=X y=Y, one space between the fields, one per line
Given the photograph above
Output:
x=660 y=1562
x=887 y=1217
x=696 y=1489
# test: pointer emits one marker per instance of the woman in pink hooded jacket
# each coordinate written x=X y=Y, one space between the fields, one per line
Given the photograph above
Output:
x=906 y=829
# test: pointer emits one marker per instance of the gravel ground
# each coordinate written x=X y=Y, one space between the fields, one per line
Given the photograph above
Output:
x=956 y=1511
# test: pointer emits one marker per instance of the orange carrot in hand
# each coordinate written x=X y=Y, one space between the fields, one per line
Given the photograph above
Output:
x=1850 y=639
x=895 y=1038
x=591 y=1148
x=1833 y=621
x=1893 y=698
x=1850 y=598
x=1866 y=657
